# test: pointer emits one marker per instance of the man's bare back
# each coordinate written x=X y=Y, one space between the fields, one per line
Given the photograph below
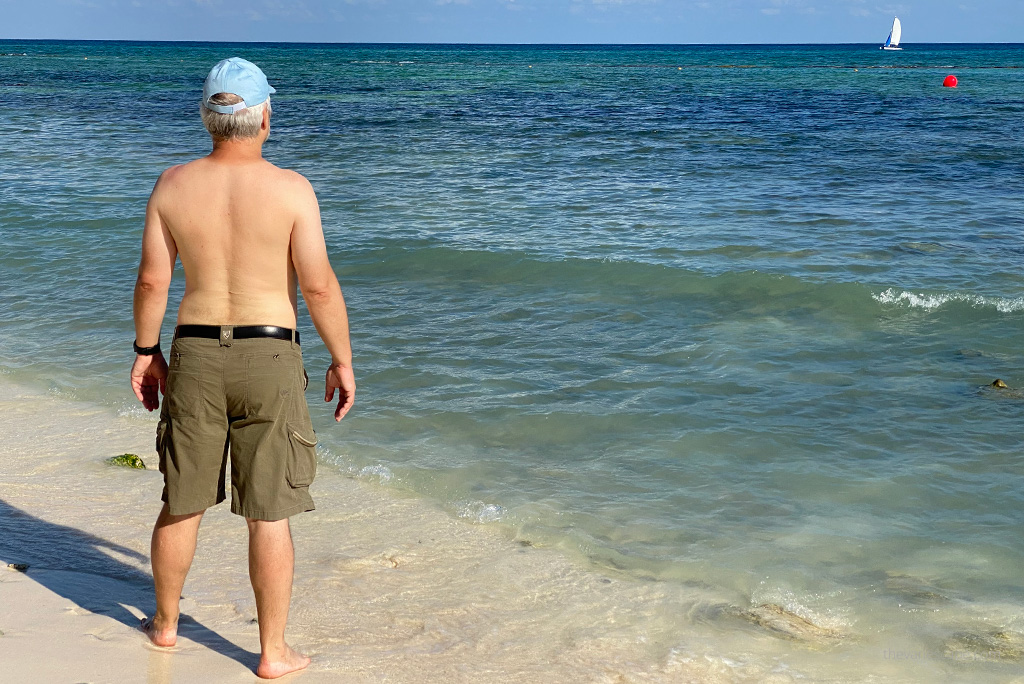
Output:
x=232 y=224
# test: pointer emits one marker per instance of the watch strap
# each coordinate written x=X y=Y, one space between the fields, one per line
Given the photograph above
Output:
x=146 y=351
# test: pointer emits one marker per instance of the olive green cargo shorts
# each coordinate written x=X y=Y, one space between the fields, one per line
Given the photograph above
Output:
x=245 y=400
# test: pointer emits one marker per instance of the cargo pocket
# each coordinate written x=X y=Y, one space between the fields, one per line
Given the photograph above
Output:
x=302 y=458
x=162 y=438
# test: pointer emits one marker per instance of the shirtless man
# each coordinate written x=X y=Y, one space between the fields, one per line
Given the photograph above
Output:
x=247 y=233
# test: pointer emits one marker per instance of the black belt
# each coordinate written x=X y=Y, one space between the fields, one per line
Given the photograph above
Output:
x=238 y=332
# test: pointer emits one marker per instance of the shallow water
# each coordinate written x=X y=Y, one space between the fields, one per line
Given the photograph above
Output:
x=703 y=314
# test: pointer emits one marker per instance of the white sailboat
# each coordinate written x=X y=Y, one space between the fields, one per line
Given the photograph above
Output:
x=893 y=41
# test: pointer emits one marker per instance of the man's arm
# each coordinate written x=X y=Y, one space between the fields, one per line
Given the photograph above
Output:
x=323 y=297
x=149 y=373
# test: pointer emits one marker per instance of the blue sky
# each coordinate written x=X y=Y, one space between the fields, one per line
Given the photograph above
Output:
x=515 y=21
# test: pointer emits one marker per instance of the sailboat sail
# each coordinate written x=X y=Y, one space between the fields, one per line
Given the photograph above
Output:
x=893 y=41
x=894 y=35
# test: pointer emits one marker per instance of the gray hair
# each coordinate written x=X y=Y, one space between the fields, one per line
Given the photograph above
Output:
x=244 y=123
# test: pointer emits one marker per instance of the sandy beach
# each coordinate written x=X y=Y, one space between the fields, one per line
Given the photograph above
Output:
x=386 y=588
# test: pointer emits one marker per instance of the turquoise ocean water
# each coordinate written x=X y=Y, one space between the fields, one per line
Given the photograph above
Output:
x=700 y=314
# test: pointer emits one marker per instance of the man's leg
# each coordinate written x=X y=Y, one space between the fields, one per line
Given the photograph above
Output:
x=271 y=563
x=172 y=550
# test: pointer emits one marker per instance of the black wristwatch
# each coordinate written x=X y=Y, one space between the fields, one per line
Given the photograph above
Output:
x=146 y=351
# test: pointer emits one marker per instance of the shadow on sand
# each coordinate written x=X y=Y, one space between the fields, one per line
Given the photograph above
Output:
x=61 y=558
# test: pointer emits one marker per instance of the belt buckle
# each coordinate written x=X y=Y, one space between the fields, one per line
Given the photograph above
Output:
x=227 y=335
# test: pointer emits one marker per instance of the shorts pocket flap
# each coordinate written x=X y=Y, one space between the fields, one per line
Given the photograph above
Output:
x=304 y=440
x=301 y=466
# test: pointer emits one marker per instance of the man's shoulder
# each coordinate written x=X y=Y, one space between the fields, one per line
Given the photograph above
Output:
x=176 y=173
x=165 y=183
x=290 y=177
x=173 y=171
x=296 y=186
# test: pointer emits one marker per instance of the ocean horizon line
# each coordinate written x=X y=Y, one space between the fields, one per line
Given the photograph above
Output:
x=370 y=44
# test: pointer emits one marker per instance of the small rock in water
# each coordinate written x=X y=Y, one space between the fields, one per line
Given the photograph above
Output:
x=913 y=589
x=18 y=567
x=788 y=625
x=997 y=389
x=997 y=646
x=127 y=461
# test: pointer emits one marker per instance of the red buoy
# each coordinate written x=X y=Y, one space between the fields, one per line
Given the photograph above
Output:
x=950 y=81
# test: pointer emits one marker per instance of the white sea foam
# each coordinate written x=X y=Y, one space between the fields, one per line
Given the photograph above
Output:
x=930 y=302
x=62 y=393
x=381 y=472
x=126 y=410
x=480 y=512
x=827 y=611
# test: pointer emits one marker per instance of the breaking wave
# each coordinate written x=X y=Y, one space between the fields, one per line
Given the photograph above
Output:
x=930 y=302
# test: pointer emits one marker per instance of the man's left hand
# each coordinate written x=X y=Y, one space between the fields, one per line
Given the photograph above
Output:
x=149 y=373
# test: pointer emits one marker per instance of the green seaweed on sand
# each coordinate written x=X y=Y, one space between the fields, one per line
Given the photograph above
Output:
x=127 y=461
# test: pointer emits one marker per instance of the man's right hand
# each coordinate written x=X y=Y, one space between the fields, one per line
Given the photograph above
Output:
x=341 y=378
x=149 y=376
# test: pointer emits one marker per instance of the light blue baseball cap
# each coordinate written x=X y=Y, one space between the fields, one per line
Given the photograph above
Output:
x=239 y=77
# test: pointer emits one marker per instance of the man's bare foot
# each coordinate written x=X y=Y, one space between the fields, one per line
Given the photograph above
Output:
x=289 y=661
x=164 y=638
